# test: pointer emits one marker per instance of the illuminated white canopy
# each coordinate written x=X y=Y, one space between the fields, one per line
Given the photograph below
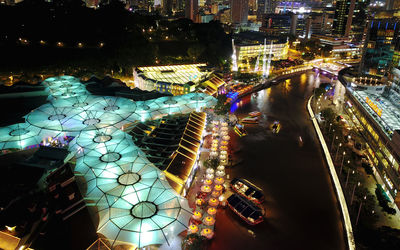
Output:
x=152 y=217
x=72 y=120
x=78 y=102
x=19 y=136
x=93 y=139
x=135 y=203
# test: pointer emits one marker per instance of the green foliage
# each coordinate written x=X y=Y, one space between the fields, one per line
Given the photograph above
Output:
x=368 y=168
x=308 y=56
x=194 y=242
x=328 y=114
x=320 y=90
x=222 y=106
x=195 y=51
x=211 y=163
x=246 y=77
x=382 y=238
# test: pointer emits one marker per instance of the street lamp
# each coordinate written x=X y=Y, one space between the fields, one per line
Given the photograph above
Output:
x=330 y=125
x=337 y=151
x=341 y=167
x=333 y=139
x=347 y=179
x=359 y=210
x=354 y=189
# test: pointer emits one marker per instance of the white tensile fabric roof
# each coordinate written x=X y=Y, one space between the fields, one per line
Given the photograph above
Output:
x=135 y=203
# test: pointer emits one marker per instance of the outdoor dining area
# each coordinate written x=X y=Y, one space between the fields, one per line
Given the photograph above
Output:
x=209 y=196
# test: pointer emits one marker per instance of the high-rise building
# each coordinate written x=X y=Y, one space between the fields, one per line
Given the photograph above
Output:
x=350 y=18
x=261 y=9
x=253 y=6
x=166 y=6
x=382 y=46
x=374 y=107
x=239 y=11
x=192 y=9
x=278 y=24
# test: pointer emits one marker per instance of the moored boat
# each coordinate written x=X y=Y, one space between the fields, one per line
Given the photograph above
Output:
x=239 y=129
x=255 y=113
x=276 y=127
x=250 y=120
x=247 y=190
x=246 y=209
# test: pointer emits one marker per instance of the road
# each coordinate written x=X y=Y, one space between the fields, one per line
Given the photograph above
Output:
x=301 y=207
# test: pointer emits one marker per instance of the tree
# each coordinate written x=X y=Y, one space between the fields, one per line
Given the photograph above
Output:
x=328 y=114
x=194 y=242
x=211 y=163
x=222 y=106
x=195 y=51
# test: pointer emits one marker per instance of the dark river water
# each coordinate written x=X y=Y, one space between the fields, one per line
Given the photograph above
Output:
x=301 y=207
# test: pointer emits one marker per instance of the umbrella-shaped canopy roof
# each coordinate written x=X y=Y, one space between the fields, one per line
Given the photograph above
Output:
x=135 y=202
x=118 y=105
x=72 y=119
x=155 y=108
x=153 y=219
x=93 y=139
x=19 y=136
x=110 y=158
x=127 y=180
x=77 y=102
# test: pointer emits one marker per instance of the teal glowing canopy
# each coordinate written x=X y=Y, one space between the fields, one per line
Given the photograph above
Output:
x=135 y=203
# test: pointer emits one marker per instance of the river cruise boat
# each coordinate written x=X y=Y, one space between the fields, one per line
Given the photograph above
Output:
x=276 y=127
x=247 y=190
x=246 y=209
x=239 y=129
x=251 y=120
x=255 y=113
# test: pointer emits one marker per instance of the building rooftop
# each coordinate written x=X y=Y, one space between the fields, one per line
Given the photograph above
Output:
x=180 y=74
x=383 y=110
x=252 y=37
x=134 y=202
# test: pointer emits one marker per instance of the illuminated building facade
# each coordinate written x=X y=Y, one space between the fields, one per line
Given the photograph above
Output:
x=375 y=108
x=382 y=49
x=249 y=45
x=192 y=10
x=340 y=47
x=239 y=11
x=277 y=24
x=174 y=79
x=350 y=18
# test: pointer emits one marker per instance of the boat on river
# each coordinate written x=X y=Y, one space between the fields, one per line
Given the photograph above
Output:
x=276 y=127
x=252 y=120
x=246 y=209
x=239 y=129
x=254 y=113
x=248 y=190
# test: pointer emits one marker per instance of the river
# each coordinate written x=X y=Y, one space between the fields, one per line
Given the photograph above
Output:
x=301 y=207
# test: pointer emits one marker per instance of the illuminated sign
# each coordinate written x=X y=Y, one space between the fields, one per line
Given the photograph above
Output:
x=373 y=106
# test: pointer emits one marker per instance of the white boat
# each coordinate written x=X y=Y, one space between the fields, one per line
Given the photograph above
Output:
x=250 y=120
x=255 y=113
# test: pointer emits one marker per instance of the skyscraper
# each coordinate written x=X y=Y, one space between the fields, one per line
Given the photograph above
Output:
x=382 y=46
x=350 y=18
x=166 y=6
x=240 y=11
x=261 y=9
x=192 y=10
